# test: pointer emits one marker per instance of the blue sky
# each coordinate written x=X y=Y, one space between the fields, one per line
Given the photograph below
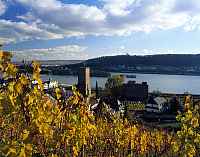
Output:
x=82 y=29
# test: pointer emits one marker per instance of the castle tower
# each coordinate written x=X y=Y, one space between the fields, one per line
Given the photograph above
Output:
x=1 y=47
x=84 y=85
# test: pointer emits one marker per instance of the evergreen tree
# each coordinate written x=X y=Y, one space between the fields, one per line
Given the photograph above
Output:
x=174 y=105
x=97 y=90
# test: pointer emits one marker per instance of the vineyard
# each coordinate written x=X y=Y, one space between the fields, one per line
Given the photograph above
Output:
x=32 y=124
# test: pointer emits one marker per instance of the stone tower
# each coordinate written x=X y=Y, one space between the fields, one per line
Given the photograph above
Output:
x=84 y=85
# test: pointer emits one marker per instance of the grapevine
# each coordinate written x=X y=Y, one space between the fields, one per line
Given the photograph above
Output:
x=33 y=124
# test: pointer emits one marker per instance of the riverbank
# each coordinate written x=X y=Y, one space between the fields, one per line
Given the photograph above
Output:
x=100 y=73
x=156 y=72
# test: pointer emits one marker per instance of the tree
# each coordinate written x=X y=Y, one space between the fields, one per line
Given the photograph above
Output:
x=97 y=90
x=114 y=83
x=174 y=105
x=156 y=93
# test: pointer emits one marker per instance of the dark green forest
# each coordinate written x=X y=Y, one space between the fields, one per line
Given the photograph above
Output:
x=181 y=64
x=179 y=60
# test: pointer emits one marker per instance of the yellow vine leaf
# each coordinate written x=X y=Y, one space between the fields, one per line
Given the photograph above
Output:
x=11 y=152
x=25 y=134
x=75 y=151
x=22 y=152
x=58 y=93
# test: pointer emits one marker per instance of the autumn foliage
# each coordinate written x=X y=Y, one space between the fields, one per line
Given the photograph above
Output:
x=33 y=124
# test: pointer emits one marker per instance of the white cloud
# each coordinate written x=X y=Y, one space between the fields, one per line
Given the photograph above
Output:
x=118 y=7
x=190 y=6
x=20 y=31
x=58 y=12
x=2 y=7
x=48 y=19
x=46 y=4
x=68 y=52
x=193 y=24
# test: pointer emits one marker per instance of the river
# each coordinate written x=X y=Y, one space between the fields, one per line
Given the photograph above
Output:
x=164 y=83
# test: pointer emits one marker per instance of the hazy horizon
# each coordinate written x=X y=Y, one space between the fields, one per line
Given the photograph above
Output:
x=78 y=60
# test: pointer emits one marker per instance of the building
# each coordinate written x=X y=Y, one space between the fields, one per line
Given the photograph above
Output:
x=50 y=84
x=133 y=97
x=132 y=91
x=157 y=105
x=84 y=84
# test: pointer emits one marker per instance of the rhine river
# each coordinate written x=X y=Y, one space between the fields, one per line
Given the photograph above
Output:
x=178 y=84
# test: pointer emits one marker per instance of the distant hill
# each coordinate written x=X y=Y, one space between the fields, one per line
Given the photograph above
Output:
x=56 y=62
x=181 y=64
x=180 y=60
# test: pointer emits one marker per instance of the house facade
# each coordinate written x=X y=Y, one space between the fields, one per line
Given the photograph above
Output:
x=156 y=105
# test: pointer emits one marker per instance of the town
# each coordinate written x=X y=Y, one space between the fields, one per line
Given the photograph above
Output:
x=130 y=100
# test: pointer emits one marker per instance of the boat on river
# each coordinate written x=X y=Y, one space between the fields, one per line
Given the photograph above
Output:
x=130 y=76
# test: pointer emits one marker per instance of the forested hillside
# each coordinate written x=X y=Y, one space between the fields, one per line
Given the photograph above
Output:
x=161 y=60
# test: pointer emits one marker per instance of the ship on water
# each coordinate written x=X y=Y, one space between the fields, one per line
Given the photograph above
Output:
x=130 y=76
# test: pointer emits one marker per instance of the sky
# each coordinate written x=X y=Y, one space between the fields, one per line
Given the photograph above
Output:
x=83 y=29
